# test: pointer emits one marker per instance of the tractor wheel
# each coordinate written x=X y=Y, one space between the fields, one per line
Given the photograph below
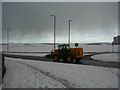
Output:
x=69 y=59
x=56 y=58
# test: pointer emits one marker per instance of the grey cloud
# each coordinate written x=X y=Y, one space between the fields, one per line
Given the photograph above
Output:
x=33 y=20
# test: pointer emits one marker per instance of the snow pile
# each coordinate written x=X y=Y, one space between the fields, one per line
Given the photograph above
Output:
x=27 y=73
x=111 y=57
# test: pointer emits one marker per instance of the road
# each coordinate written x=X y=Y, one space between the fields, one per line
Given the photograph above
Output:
x=85 y=60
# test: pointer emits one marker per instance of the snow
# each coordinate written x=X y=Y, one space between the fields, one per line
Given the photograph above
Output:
x=28 y=74
x=39 y=74
x=28 y=48
x=28 y=54
x=21 y=76
x=110 y=57
x=47 y=48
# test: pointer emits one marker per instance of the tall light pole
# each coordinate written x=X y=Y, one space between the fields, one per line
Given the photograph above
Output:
x=69 y=26
x=54 y=21
x=7 y=39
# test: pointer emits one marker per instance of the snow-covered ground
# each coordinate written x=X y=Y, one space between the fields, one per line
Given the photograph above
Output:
x=38 y=74
x=28 y=54
x=28 y=48
x=22 y=76
x=111 y=57
x=47 y=48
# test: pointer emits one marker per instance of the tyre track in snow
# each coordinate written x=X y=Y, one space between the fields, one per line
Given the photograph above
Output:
x=60 y=80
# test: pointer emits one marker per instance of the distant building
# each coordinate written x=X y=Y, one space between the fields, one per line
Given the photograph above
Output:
x=116 y=40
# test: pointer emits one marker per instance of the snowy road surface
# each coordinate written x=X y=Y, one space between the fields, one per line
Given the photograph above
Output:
x=110 y=57
x=39 y=74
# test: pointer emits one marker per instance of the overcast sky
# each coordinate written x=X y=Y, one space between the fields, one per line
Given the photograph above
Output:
x=32 y=22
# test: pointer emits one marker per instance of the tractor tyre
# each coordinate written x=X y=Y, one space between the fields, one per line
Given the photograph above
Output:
x=56 y=58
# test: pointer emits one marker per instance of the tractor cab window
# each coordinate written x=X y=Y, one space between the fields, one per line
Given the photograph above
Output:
x=60 y=47
x=63 y=47
x=67 y=47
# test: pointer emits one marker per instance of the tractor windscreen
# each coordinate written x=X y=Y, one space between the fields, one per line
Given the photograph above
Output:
x=63 y=47
x=67 y=47
x=60 y=47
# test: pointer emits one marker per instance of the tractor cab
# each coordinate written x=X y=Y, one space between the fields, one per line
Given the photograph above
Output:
x=64 y=47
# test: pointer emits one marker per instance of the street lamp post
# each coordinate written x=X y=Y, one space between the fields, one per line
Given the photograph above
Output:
x=54 y=17
x=69 y=24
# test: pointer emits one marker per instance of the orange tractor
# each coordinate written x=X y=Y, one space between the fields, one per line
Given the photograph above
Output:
x=67 y=54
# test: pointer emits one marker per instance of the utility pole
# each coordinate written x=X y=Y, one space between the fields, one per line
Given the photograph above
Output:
x=7 y=39
x=69 y=26
x=54 y=21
